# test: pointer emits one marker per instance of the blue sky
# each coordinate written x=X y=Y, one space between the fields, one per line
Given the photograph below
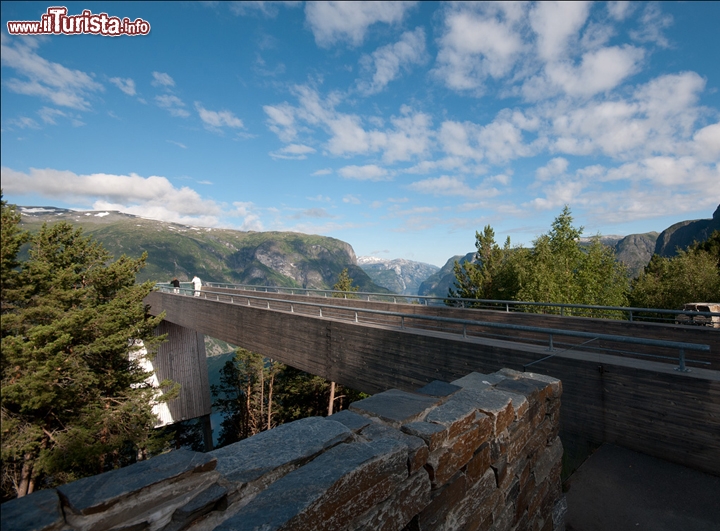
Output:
x=400 y=128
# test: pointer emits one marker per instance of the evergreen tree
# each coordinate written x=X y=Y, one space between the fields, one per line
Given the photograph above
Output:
x=74 y=403
x=245 y=396
x=344 y=283
x=493 y=274
x=557 y=269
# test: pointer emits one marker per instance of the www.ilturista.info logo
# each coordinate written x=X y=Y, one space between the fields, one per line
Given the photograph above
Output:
x=56 y=21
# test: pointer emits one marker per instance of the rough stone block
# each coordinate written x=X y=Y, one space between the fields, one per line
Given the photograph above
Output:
x=333 y=489
x=477 y=504
x=478 y=381
x=498 y=406
x=249 y=464
x=456 y=415
x=408 y=500
x=443 y=463
x=351 y=420
x=212 y=498
x=433 y=516
x=479 y=463
x=434 y=435
x=439 y=388
x=396 y=407
x=416 y=447
x=548 y=459
x=503 y=473
x=503 y=520
x=98 y=493
x=558 y=514
x=555 y=389
x=39 y=511
x=523 y=386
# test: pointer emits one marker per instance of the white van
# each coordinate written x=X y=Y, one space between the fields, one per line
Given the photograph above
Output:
x=700 y=320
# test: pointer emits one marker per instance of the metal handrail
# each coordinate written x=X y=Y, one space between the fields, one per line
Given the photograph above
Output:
x=681 y=346
x=462 y=301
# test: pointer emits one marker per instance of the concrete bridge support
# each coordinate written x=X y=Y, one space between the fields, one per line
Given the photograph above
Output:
x=182 y=359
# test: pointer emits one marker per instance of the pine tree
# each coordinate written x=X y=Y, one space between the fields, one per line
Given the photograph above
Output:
x=74 y=403
x=345 y=283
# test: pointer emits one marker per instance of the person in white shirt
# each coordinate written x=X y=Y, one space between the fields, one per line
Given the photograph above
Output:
x=197 y=284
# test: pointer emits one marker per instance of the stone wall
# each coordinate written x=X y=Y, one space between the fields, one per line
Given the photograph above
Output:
x=481 y=453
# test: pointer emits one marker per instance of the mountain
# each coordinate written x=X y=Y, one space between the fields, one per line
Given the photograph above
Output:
x=684 y=234
x=635 y=251
x=438 y=284
x=399 y=276
x=220 y=255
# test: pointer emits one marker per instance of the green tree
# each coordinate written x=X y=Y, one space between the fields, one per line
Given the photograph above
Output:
x=494 y=272
x=560 y=270
x=669 y=283
x=75 y=402
x=245 y=396
x=345 y=283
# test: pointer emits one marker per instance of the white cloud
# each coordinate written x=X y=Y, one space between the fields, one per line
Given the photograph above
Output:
x=369 y=172
x=293 y=152
x=48 y=80
x=252 y=7
x=707 y=143
x=24 y=122
x=620 y=10
x=49 y=115
x=312 y=213
x=388 y=60
x=215 y=120
x=333 y=22
x=653 y=23
x=557 y=25
x=477 y=45
x=173 y=104
x=351 y=199
x=161 y=79
x=451 y=186
x=599 y=71
x=127 y=85
x=150 y=197
x=499 y=141
x=324 y=171
x=557 y=166
x=281 y=121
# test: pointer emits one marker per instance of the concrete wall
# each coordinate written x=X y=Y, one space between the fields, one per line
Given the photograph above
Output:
x=480 y=454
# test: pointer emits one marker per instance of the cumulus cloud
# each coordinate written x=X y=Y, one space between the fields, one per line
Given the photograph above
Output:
x=387 y=61
x=161 y=79
x=153 y=197
x=333 y=22
x=369 y=172
x=451 y=186
x=216 y=120
x=255 y=7
x=172 y=104
x=479 y=41
x=293 y=152
x=556 y=25
x=127 y=85
x=50 y=81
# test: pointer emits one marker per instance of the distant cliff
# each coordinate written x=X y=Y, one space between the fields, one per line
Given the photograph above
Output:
x=684 y=234
x=399 y=276
x=220 y=255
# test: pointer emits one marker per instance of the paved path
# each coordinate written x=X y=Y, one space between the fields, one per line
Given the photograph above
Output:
x=621 y=490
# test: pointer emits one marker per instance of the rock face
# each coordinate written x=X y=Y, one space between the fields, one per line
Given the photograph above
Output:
x=482 y=453
x=399 y=276
x=438 y=284
x=684 y=234
x=262 y=258
x=635 y=251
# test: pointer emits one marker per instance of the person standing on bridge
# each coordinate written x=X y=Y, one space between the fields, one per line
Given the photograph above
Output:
x=197 y=284
x=175 y=283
